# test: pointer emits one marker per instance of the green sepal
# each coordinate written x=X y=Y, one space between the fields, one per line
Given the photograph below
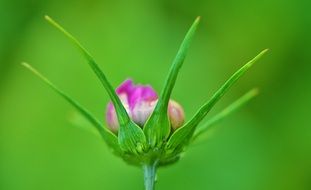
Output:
x=130 y=135
x=157 y=128
x=108 y=136
x=224 y=113
x=132 y=138
x=182 y=136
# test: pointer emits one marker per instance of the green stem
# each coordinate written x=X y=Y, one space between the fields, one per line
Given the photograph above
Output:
x=150 y=171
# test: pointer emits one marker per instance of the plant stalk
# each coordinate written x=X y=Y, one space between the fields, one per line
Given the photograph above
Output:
x=150 y=172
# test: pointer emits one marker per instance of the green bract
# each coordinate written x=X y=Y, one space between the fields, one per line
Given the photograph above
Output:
x=155 y=145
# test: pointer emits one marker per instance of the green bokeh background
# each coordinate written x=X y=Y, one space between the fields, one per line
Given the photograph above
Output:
x=265 y=145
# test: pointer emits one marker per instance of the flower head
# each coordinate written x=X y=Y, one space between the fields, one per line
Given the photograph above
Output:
x=139 y=102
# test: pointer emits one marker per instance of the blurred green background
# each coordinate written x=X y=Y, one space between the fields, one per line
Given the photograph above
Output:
x=265 y=145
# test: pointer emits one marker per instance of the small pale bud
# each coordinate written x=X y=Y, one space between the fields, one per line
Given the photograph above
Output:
x=176 y=114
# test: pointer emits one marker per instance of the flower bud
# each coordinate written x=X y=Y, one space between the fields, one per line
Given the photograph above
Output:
x=176 y=114
x=139 y=102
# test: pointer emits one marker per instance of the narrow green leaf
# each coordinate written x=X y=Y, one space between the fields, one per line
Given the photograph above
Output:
x=130 y=135
x=183 y=134
x=157 y=128
x=225 y=112
x=121 y=112
x=109 y=137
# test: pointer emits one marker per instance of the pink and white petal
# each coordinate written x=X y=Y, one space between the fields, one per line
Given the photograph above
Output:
x=142 y=111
